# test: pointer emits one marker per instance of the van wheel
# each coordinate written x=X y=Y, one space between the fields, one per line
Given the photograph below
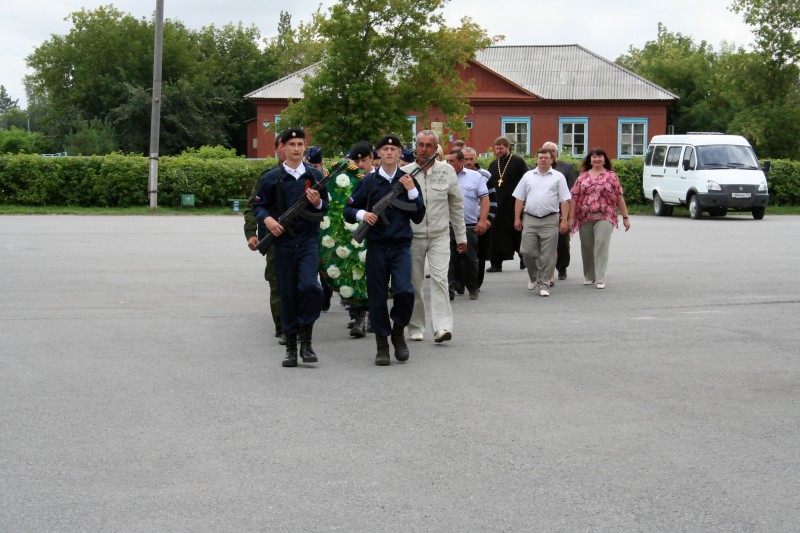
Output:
x=695 y=211
x=719 y=212
x=758 y=212
x=659 y=207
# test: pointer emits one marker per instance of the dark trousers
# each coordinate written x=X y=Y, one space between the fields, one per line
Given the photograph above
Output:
x=385 y=264
x=274 y=292
x=464 y=268
x=301 y=293
x=562 y=250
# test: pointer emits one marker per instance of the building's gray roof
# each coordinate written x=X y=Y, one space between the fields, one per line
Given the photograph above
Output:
x=287 y=88
x=557 y=72
x=568 y=72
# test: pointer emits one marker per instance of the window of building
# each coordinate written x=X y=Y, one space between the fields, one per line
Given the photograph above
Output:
x=573 y=136
x=517 y=129
x=631 y=137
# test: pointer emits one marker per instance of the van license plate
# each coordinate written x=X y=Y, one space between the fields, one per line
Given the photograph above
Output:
x=740 y=195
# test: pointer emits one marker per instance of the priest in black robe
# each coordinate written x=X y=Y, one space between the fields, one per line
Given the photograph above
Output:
x=507 y=170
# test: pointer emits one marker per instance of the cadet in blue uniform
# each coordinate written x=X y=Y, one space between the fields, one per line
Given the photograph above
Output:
x=388 y=247
x=296 y=246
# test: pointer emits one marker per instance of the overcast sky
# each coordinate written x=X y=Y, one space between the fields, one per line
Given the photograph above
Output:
x=606 y=28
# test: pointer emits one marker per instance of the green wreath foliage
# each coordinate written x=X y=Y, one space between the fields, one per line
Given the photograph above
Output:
x=342 y=260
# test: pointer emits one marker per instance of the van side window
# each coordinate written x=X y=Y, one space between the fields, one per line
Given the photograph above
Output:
x=674 y=156
x=649 y=157
x=658 y=156
x=688 y=157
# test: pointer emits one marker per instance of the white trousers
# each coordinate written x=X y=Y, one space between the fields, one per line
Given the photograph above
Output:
x=437 y=250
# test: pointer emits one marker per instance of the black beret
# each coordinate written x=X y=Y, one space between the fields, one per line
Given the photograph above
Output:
x=314 y=155
x=391 y=140
x=375 y=154
x=292 y=133
x=408 y=156
x=360 y=150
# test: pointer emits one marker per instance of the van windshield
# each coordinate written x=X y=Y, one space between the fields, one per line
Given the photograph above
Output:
x=726 y=156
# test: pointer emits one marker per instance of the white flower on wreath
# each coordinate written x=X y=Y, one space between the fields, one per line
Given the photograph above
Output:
x=345 y=291
x=362 y=256
x=326 y=222
x=343 y=252
x=328 y=241
x=350 y=227
x=355 y=244
x=334 y=272
x=358 y=273
x=342 y=180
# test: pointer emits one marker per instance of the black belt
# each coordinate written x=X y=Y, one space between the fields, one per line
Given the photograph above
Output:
x=544 y=216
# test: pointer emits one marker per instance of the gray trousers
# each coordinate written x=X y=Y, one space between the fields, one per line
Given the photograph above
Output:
x=538 y=248
x=595 y=241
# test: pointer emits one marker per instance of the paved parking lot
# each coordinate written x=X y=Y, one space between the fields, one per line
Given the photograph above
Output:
x=141 y=390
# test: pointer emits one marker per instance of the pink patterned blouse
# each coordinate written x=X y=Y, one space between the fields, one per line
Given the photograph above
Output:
x=596 y=198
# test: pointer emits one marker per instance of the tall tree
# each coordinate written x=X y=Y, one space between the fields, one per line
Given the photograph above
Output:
x=102 y=67
x=676 y=63
x=384 y=59
x=296 y=48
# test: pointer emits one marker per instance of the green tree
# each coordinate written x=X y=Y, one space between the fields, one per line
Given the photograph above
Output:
x=384 y=60
x=91 y=137
x=676 y=63
x=102 y=70
x=15 y=141
x=295 y=49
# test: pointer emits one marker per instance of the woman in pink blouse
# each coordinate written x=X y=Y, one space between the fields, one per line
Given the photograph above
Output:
x=596 y=196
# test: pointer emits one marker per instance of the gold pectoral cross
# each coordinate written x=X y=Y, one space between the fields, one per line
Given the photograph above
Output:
x=500 y=183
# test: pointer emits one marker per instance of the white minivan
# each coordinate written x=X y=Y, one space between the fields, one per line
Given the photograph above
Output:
x=706 y=172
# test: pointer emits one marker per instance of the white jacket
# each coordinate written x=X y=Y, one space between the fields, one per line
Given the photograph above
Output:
x=444 y=204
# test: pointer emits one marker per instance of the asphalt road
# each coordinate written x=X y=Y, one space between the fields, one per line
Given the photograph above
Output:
x=141 y=390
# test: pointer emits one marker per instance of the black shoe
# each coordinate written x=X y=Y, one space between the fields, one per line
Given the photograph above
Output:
x=494 y=269
x=562 y=275
x=382 y=357
x=452 y=296
x=307 y=353
x=459 y=289
x=399 y=342
x=359 y=329
x=521 y=264
x=291 y=351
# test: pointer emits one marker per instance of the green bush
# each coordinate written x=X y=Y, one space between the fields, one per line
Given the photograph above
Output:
x=783 y=180
x=17 y=141
x=118 y=180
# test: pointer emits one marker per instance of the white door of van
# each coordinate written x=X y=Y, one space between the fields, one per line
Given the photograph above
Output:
x=687 y=170
x=672 y=175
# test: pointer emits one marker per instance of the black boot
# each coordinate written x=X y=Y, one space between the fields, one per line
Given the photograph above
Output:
x=291 y=351
x=399 y=342
x=359 y=329
x=306 y=351
x=382 y=357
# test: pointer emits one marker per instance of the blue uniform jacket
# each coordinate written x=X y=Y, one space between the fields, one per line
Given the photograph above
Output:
x=371 y=189
x=267 y=204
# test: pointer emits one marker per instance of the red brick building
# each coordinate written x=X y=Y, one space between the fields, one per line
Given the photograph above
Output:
x=531 y=94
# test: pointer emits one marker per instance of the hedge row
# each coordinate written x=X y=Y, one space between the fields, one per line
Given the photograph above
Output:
x=121 y=181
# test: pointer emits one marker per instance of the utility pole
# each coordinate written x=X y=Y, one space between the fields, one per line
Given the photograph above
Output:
x=155 y=115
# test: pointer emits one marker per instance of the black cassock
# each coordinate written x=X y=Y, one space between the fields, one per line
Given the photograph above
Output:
x=506 y=173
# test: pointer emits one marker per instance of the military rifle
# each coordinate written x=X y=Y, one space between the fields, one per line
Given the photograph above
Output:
x=298 y=208
x=388 y=200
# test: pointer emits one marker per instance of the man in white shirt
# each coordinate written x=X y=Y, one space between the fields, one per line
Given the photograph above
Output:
x=444 y=206
x=539 y=195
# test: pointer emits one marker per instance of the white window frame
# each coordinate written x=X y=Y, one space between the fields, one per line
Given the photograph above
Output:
x=517 y=120
x=634 y=122
x=562 y=144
